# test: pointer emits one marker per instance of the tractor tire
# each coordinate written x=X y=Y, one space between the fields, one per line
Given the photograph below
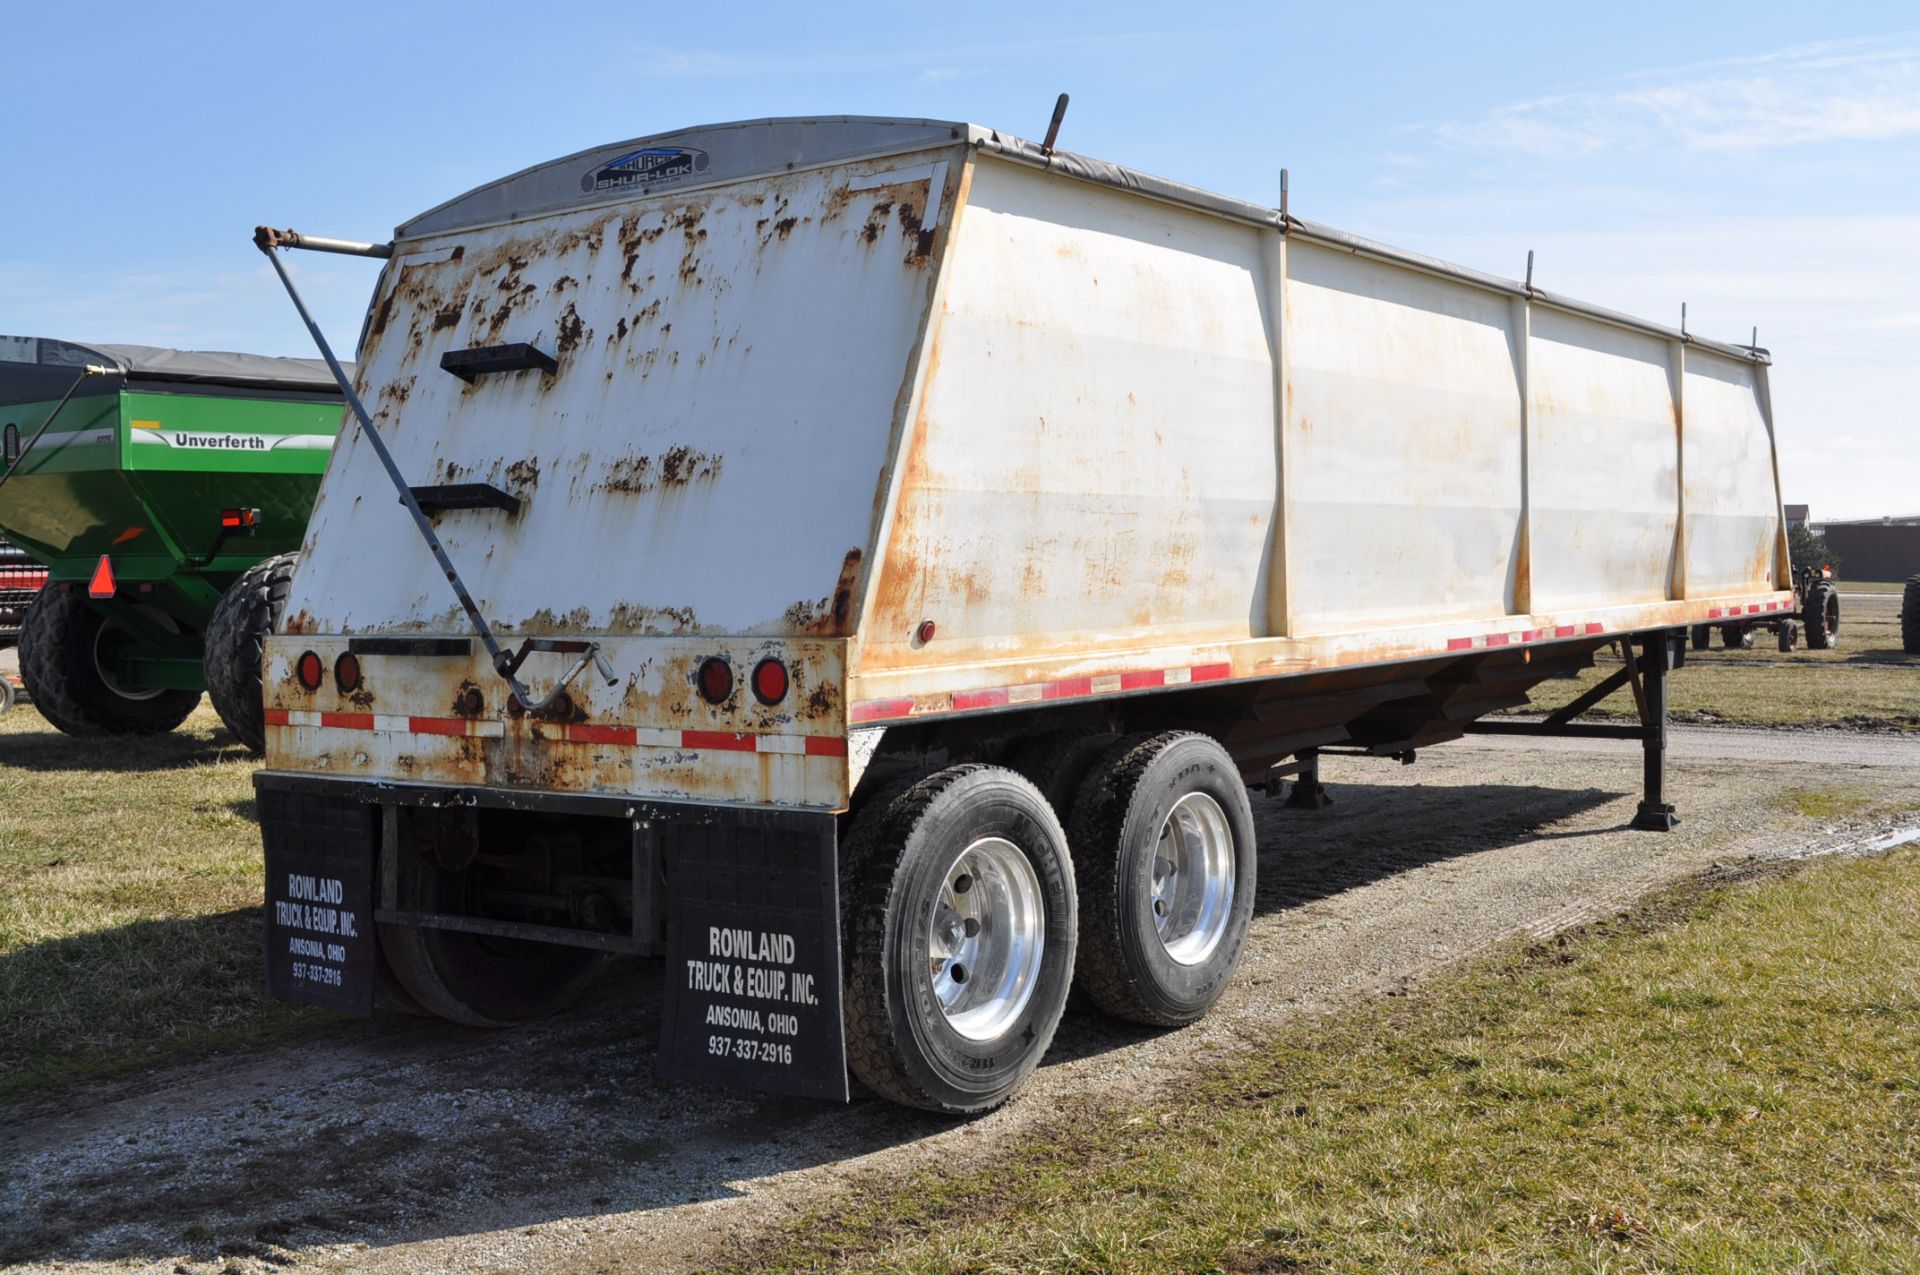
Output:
x=1820 y=617
x=61 y=667
x=1910 y=617
x=236 y=644
x=958 y=918
x=1737 y=637
x=1163 y=840
x=1702 y=636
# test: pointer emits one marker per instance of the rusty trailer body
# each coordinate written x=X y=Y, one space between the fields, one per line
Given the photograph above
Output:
x=1002 y=457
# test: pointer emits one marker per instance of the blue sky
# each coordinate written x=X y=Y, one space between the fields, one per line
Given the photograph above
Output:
x=1759 y=162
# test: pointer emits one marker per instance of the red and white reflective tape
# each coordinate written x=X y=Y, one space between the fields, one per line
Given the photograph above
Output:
x=1520 y=637
x=881 y=710
x=1752 y=608
x=569 y=732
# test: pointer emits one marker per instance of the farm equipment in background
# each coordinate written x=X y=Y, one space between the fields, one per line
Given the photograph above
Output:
x=1910 y=617
x=151 y=482
x=21 y=579
x=1816 y=618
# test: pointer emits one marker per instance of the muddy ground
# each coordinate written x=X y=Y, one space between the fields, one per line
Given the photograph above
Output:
x=413 y=1145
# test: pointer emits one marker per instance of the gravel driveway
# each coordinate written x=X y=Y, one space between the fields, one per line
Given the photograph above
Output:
x=414 y=1145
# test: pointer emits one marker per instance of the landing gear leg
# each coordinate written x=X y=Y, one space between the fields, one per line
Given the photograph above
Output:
x=1308 y=792
x=1655 y=813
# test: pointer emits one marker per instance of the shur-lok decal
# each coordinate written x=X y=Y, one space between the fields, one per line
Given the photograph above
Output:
x=648 y=166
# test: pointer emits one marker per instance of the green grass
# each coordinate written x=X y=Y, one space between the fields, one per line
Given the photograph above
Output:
x=130 y=886
x=1823 y=803
x=1761 y=694
x=1873 y=586
x=1867 y=682
x=1722 y=1080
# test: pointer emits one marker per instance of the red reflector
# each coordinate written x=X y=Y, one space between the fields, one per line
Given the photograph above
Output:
x=716 y=679
x=101 y=586
x=769 y=681
x=346 y=673
x=308 y=670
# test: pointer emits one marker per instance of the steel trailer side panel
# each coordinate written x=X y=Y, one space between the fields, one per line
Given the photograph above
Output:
x=1405 y=490
x=1604 y=463
x=1092 y=454
x=1732 y=507
x=1087 y=493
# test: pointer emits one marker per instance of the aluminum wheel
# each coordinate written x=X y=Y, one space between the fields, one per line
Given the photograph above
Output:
x=1193 y=879
x=986 y=938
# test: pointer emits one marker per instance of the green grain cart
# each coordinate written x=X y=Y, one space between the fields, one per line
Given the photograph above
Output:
x=166 y=491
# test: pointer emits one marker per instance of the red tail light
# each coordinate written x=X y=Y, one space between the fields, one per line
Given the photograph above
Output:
x=346 y=673
x=716 y=679
x=769 y=681
x=309 y=670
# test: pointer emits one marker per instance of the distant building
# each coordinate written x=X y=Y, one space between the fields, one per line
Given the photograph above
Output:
x=1796 y=516
x=1875 y=548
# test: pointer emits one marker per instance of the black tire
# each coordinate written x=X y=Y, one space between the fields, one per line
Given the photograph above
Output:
x=1702 y=636
x=1788 y=634
x=60 y=652
x=477 y=979
x=1057 y=763
x=6 y=696
x=1123 y=808
x=894 y=873
x=1821 y=616
x=1737 y=637
x=389 y=994
x=237 y=643
x=1910 y=617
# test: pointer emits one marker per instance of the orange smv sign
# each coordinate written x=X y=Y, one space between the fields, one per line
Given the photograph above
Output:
x=101 y=586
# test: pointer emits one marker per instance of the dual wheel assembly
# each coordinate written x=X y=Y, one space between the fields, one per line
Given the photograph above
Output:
x=969 y=912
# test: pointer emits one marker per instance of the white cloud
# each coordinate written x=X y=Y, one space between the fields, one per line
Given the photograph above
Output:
x=1859 y=90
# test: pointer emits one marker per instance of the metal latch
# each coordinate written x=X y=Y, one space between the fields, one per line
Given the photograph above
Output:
x=589 y=653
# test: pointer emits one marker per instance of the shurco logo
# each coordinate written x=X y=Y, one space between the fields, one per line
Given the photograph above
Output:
x=646 y=167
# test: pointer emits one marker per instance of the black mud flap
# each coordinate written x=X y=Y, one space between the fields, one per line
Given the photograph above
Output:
x=753 y=955
x=320 y=853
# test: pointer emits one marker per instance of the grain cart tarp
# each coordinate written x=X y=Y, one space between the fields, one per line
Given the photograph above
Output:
x=978 y=446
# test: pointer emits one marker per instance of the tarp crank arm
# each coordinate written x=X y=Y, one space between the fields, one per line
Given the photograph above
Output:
x=267 y=239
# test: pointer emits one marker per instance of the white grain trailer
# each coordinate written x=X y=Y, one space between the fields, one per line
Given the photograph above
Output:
x=869 y=559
